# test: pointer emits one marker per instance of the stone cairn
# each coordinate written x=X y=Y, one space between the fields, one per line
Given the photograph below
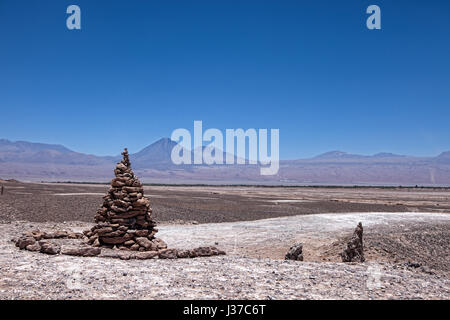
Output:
x=125 y=219
x=354 y=251
x=124 y=222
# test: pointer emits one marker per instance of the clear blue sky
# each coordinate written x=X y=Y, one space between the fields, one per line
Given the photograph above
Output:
x=140 y=69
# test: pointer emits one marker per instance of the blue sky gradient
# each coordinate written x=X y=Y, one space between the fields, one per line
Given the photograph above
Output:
x=140 y=69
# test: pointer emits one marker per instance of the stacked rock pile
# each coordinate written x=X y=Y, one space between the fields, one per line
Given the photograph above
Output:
x=355 y=249
x=123 y=222
x=125 y=219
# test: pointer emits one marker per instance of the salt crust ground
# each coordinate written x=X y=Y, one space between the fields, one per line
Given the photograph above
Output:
x=239 y=275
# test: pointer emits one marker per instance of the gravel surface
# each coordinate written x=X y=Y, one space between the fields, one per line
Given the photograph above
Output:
x=42 y=202
x=240 y=274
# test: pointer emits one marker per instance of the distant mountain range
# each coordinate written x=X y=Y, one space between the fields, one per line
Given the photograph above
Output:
x=37 y=161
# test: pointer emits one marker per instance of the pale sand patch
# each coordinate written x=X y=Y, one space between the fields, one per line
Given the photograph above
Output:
x=287 y=200
x=241 y=274
x=274 y=236
x=79 y=194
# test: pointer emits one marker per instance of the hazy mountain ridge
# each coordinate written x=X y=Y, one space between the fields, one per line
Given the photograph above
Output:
x=38 y=161
x=30 y=152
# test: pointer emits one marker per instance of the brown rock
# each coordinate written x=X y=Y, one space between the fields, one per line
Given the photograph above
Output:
x=87 y=233
x=142 y=233
x=116 y=233
x=24 y=241
x=92 y=239
x=146 y=255
x=124 y=255
x=116 y=240
x=183 y=254
x=135 y=247
x=55 y=235
x=102 y=231
x=128 y=243
x=116 y=183
x=38 y=235
x=82 y=252
x=33 y=247
x=49 y=248
x=72 y=235
x=121 y=203
x=117 y=220
x=127 y=215
x=168 y=254
x=119 y=210
x=120 y=166
x=217 y=252
x=192 y=254
x=203 y=251
x=133 y=189
x=141 y=202
x=144 y=242
x=159 y=243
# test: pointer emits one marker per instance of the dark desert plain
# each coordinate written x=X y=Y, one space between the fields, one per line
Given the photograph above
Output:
x=58 y=202
x=406 y=237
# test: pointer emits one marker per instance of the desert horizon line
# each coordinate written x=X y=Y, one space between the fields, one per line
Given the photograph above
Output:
x=324 y=153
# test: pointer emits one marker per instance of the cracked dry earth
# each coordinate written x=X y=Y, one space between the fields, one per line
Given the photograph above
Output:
x=253 y=267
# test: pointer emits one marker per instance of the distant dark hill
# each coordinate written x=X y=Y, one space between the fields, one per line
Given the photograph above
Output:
x=30 y=147
x=444 y=157
x=39 y=161
x=35 y=153
x=334 y=155
x=340 y=155
x=387 y=155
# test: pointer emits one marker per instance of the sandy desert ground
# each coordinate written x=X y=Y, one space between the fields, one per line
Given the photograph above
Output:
x=406 y=232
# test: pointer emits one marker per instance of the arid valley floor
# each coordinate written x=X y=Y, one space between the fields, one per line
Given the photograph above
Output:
x=406 y=234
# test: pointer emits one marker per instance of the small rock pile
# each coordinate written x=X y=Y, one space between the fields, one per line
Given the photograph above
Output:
x=125 y=220
x=169 y=253
x=295 y=252
x=354 y=251
x=38 y=241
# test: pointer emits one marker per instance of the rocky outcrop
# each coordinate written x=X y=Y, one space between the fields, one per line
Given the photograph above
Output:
x=355 y=250
x=295 y=252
